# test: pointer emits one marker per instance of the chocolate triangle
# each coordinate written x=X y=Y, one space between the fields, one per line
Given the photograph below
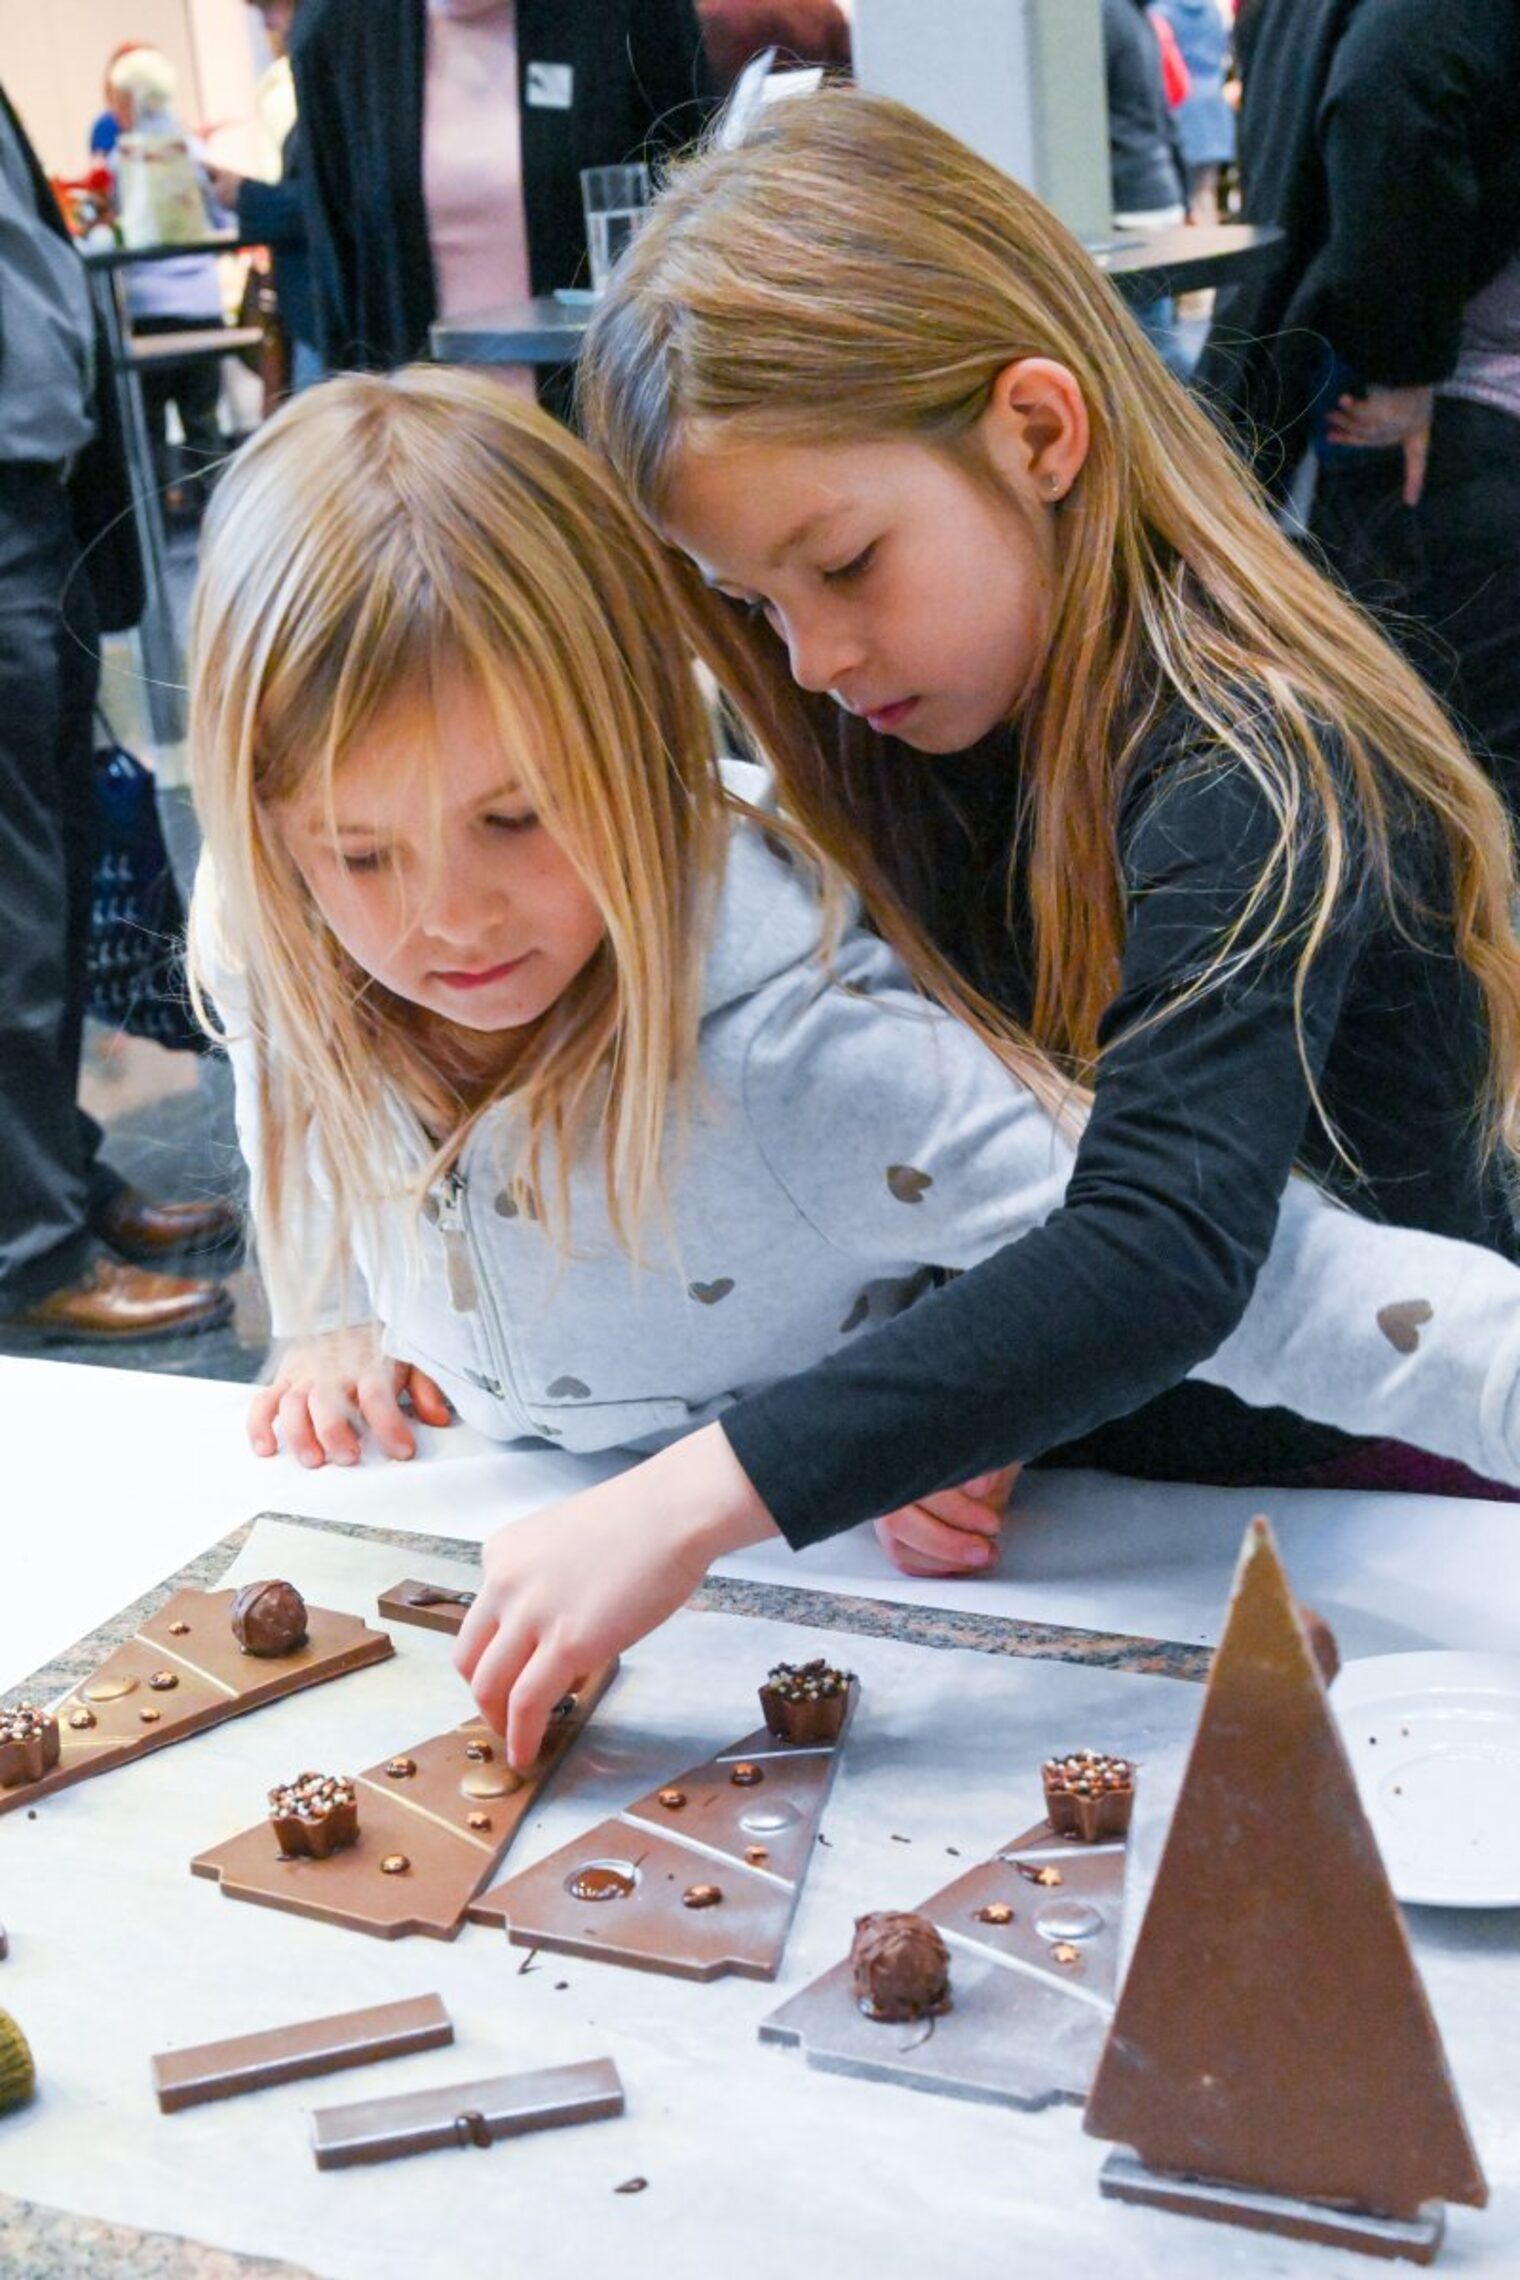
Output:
x=698 y=1878
x=1272 y=2031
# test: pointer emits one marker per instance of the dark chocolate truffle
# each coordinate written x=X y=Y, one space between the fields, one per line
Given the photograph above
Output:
x=901 y=1966
x=1089 y=1796
x=806 y=1702
x=314 y=1815
x=28 y=1744
x=268 y=1618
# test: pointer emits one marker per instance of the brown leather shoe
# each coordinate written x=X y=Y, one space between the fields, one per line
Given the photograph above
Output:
x=148 y=1233
x=113 y=1303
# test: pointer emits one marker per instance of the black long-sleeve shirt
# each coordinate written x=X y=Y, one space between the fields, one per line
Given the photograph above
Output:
x=1197 y=1122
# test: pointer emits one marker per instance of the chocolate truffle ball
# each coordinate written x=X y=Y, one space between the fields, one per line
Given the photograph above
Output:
x=901 y=1966
x=268 y=1618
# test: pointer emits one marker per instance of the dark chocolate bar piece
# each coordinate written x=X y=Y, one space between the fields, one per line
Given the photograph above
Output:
x=289 y=2054
x=465 y=2113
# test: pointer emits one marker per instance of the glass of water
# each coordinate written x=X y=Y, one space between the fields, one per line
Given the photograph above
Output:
x=616 y=199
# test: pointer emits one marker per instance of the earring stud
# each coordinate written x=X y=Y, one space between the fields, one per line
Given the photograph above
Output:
x=1053 y=485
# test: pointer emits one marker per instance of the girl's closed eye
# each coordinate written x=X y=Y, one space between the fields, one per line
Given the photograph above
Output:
x=525 y=822
x=856 y=567
x=364 y=863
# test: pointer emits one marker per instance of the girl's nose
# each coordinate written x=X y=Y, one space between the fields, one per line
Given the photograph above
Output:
x=822 y=651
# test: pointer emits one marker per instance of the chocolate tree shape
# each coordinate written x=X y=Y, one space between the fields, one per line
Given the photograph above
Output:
x=1272 y=2031
x=742 y=1825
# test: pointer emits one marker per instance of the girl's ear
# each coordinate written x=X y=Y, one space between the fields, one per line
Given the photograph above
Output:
x=1035 y=429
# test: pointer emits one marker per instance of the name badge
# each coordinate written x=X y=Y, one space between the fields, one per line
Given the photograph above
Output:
x=551 y=86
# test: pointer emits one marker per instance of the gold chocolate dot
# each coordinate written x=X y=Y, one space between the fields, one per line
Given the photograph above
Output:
x=178 y=1630
x=756 y=1855
x=477 y=1752
x=394 y=1864
x=163 y=1682
x=995 y=1912
x=480 y=1820
x=745 y=1775
x=491 y=1781
x=150 y=1717
x=1064 y=1952
x=81 y=1720
x=701 y=1896
x=1048 y=1876
x=401 y=1769
x=672 y=1799
x=109 y=1689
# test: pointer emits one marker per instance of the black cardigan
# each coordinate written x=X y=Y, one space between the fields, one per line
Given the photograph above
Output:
x=1380 y=136
x=640 y=86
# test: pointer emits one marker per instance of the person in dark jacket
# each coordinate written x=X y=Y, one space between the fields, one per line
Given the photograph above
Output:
x=63 y=492
x=1147 y=182
x=597 y=82
x=1380 y=136
x=273 y=214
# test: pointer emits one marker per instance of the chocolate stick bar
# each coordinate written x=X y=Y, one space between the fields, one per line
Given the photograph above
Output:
x=430 y=1605
x=195 y=2076
x=465 y=2113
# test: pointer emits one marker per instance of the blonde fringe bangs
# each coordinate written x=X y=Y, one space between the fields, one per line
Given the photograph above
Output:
x=921 y=273
x=376 y=539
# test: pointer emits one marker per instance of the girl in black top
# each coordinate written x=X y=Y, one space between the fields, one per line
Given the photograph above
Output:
x=1125 y=781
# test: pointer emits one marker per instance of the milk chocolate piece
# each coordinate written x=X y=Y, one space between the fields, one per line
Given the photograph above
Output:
x=721 y=1827
x=268 y=1619
x=805 y=1702
x=431 y=1818
x=1088 y=1795
x=1025 y=2029
x=314 y=1816
x=1322 y=1642
x=900 y=1966
x=1272 y=2033
x=191 y=1636
x=289 y=2054
x=18 y=2074
x=465 y=2113
x=29 y=1745
x=432 y=1606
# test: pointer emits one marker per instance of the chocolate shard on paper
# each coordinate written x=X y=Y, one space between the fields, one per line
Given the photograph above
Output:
x=466 y=2113
x=182 y=1672
x=193 y=2077
x=434 y=1822
x=697 y=1878
x=1272 y=2036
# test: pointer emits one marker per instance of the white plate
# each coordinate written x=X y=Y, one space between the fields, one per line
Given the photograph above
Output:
x=1435 y=1741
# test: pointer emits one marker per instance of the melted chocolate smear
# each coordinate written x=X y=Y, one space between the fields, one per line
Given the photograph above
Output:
x=600 y=1884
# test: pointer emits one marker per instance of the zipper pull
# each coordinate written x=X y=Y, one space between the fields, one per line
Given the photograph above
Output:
x=449 y=1194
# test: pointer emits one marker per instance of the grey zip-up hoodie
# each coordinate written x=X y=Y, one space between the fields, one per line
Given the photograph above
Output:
x=847 y=1144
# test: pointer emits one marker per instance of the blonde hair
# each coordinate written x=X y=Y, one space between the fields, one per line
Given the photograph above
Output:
x=850 y=271
x=147 y=77
x=376 y=538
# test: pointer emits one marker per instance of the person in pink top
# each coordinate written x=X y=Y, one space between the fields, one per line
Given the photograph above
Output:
x=446 y=140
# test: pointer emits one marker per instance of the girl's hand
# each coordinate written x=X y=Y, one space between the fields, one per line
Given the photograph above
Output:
x=952 y=1533
x=321 y=1384
x=1383 y=417
x=573 y=1585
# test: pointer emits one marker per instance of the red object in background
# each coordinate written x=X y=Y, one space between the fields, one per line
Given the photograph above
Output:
x=86 y=199
x=1175 y=75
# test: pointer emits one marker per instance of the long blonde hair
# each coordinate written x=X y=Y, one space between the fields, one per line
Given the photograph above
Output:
x=377 y=537
x=850 y=271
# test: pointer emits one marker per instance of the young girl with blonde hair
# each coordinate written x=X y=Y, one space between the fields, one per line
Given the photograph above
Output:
x=1120 y=778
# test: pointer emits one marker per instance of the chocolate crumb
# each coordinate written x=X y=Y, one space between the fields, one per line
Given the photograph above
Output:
x=632 y=2185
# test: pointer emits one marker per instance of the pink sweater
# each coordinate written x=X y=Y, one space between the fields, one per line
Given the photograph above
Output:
x=472 y=160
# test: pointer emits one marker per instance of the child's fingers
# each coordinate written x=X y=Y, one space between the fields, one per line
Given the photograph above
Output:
x=916 y=1534
x=262 y=1411
x=475 y=1634
x=495 y=1677
x=296 y=1428
x=378 y=1392
x=954 y=1508
x=430 y=1404
x=549 y=1674
x=330 y=1405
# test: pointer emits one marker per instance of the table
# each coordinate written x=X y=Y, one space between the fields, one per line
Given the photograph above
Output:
x=115 y=1478
x=547 y=330
x=162 y=653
